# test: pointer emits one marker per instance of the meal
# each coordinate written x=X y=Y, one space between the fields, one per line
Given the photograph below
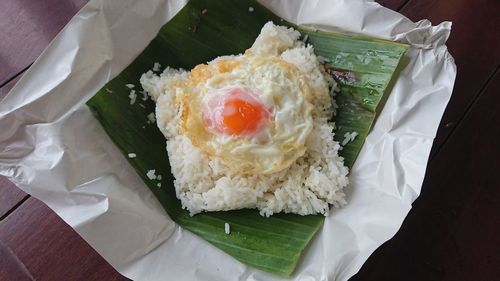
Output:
x=247 y=131
x=253 y=130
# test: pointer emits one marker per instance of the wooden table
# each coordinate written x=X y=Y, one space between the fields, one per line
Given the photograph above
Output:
x=452 y=231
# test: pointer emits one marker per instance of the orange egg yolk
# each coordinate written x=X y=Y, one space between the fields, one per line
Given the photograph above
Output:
x=240 y=116
x=238 y=112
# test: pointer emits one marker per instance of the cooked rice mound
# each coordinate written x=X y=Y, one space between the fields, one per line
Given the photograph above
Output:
x=204 y=183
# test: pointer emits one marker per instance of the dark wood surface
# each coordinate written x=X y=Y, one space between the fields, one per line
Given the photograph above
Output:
x=474 y=43
x=452 y=231
x=27 y=27
x=49 y=249
x=10 y=195
x=11 y=267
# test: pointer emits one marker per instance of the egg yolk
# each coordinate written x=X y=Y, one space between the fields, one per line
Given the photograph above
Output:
x=238 y=112
x=241 y=116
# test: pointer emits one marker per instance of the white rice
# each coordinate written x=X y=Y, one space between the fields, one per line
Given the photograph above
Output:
x=132 y=96
x=151 y=117
x=348 y=137
x=227 y=228
x=144 y=95
x=156 y=67
x=151 y=174
x=309 y=186
x=132 y=155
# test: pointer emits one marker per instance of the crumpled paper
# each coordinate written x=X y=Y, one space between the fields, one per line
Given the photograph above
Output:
x=53 y=148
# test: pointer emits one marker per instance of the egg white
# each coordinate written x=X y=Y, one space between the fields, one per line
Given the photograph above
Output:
x=281 y=88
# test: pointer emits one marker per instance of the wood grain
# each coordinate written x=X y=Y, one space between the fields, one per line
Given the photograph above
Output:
x=49 y=248
x=452 y=232
x=7 y=87
x=10 y=267
x=10 y=196
x=474 y=43
x=27 y=27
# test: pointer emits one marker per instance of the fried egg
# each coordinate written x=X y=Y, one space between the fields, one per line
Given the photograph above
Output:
x=252 y=130
x=252 y=111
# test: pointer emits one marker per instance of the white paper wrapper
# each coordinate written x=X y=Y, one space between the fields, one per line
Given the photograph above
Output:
x=52 y=147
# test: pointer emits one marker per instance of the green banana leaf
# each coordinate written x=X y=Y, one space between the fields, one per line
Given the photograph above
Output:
x=363 y=68
x=201 y=31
